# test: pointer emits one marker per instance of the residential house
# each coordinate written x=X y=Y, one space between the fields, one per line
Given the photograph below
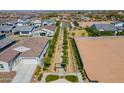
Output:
x=6 y=29
x=24 y=21
x=118 y=23
x=45 y=31
x=28 y=51
x=104 y=27
x=37 y=22
x=23 y=30
x=48 y=22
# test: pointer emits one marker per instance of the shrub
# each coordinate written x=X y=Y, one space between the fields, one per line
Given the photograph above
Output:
x=76 y=54
x=120 y=33
x=47 y=61
x=76 y=23
x=83 y=34
x=73 y=34
x=107 y=33
x=38 y=70
x=50 y=78
x=71 y=78
x=40 y=76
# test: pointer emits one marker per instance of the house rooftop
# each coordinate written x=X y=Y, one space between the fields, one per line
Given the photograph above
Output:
x=32 y=47
x=36 y=45
x=8 y=55
x=6 y=28
x=49 y=27
x=1 y=34
x=102 y=57
x=23 y=28
x=120 y=27
x=49 y=20
x=105 y=27
x=5 y=42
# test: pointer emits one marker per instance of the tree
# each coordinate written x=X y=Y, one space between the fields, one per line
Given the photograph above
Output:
x=83 y=34
x=76 y=23
x=73 y=34
x=47 y=61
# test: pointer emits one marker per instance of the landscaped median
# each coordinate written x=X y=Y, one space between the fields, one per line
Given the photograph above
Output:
x=50 y=78
x=51 y=49
x=65 y=48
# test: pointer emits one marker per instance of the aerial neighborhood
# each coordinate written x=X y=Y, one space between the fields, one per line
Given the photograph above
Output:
x=62 y=46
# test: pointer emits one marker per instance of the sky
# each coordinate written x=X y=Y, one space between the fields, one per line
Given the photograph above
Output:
x=61 y=5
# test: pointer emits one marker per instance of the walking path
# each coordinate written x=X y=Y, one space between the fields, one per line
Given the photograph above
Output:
x=57 y=59
x=62 y=74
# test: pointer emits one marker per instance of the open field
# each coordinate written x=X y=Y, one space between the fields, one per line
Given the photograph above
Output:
x=103 y=58
x=84 y=24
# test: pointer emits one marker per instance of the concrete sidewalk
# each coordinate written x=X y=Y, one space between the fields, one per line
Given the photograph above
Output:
x=24 y=73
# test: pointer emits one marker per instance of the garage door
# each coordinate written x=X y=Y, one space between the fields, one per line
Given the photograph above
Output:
x=29 y=61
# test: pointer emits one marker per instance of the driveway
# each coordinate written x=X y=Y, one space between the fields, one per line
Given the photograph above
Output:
x=24 y=72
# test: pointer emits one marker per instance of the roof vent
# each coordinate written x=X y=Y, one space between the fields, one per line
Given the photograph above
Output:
x=21 y=49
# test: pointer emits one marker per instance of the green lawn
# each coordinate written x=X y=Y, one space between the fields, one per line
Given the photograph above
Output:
x=50 y=78
x=71 y=78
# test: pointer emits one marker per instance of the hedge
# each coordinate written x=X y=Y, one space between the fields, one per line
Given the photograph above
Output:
x=71 y=78
x=76 y=54
x=107 y=33
x=50 y=78
x=120 y=33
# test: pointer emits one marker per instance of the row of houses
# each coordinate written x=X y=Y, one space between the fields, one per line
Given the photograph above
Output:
x=25 y=26
x=113 y=26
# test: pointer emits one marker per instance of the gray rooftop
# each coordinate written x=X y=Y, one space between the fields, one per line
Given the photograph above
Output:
x=6 y=28
x=105 y=27
x=23 y=28
x=4 y=42
x=1 y=34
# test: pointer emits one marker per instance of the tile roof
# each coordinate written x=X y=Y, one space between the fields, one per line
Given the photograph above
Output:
x=49 y=27
x=7 y=77
x=8 y=55
x=36 y=46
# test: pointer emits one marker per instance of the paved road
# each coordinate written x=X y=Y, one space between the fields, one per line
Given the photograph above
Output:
x=24 y=73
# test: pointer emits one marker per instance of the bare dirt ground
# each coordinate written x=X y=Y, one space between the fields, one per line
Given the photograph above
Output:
x=57 y=56
x=78 y=33
x=103 y=58
x=71 y=67
x=84 y=24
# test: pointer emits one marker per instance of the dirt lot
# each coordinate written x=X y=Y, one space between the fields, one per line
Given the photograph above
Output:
x=103 y=58
x=84 y=24
x=78 y=33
